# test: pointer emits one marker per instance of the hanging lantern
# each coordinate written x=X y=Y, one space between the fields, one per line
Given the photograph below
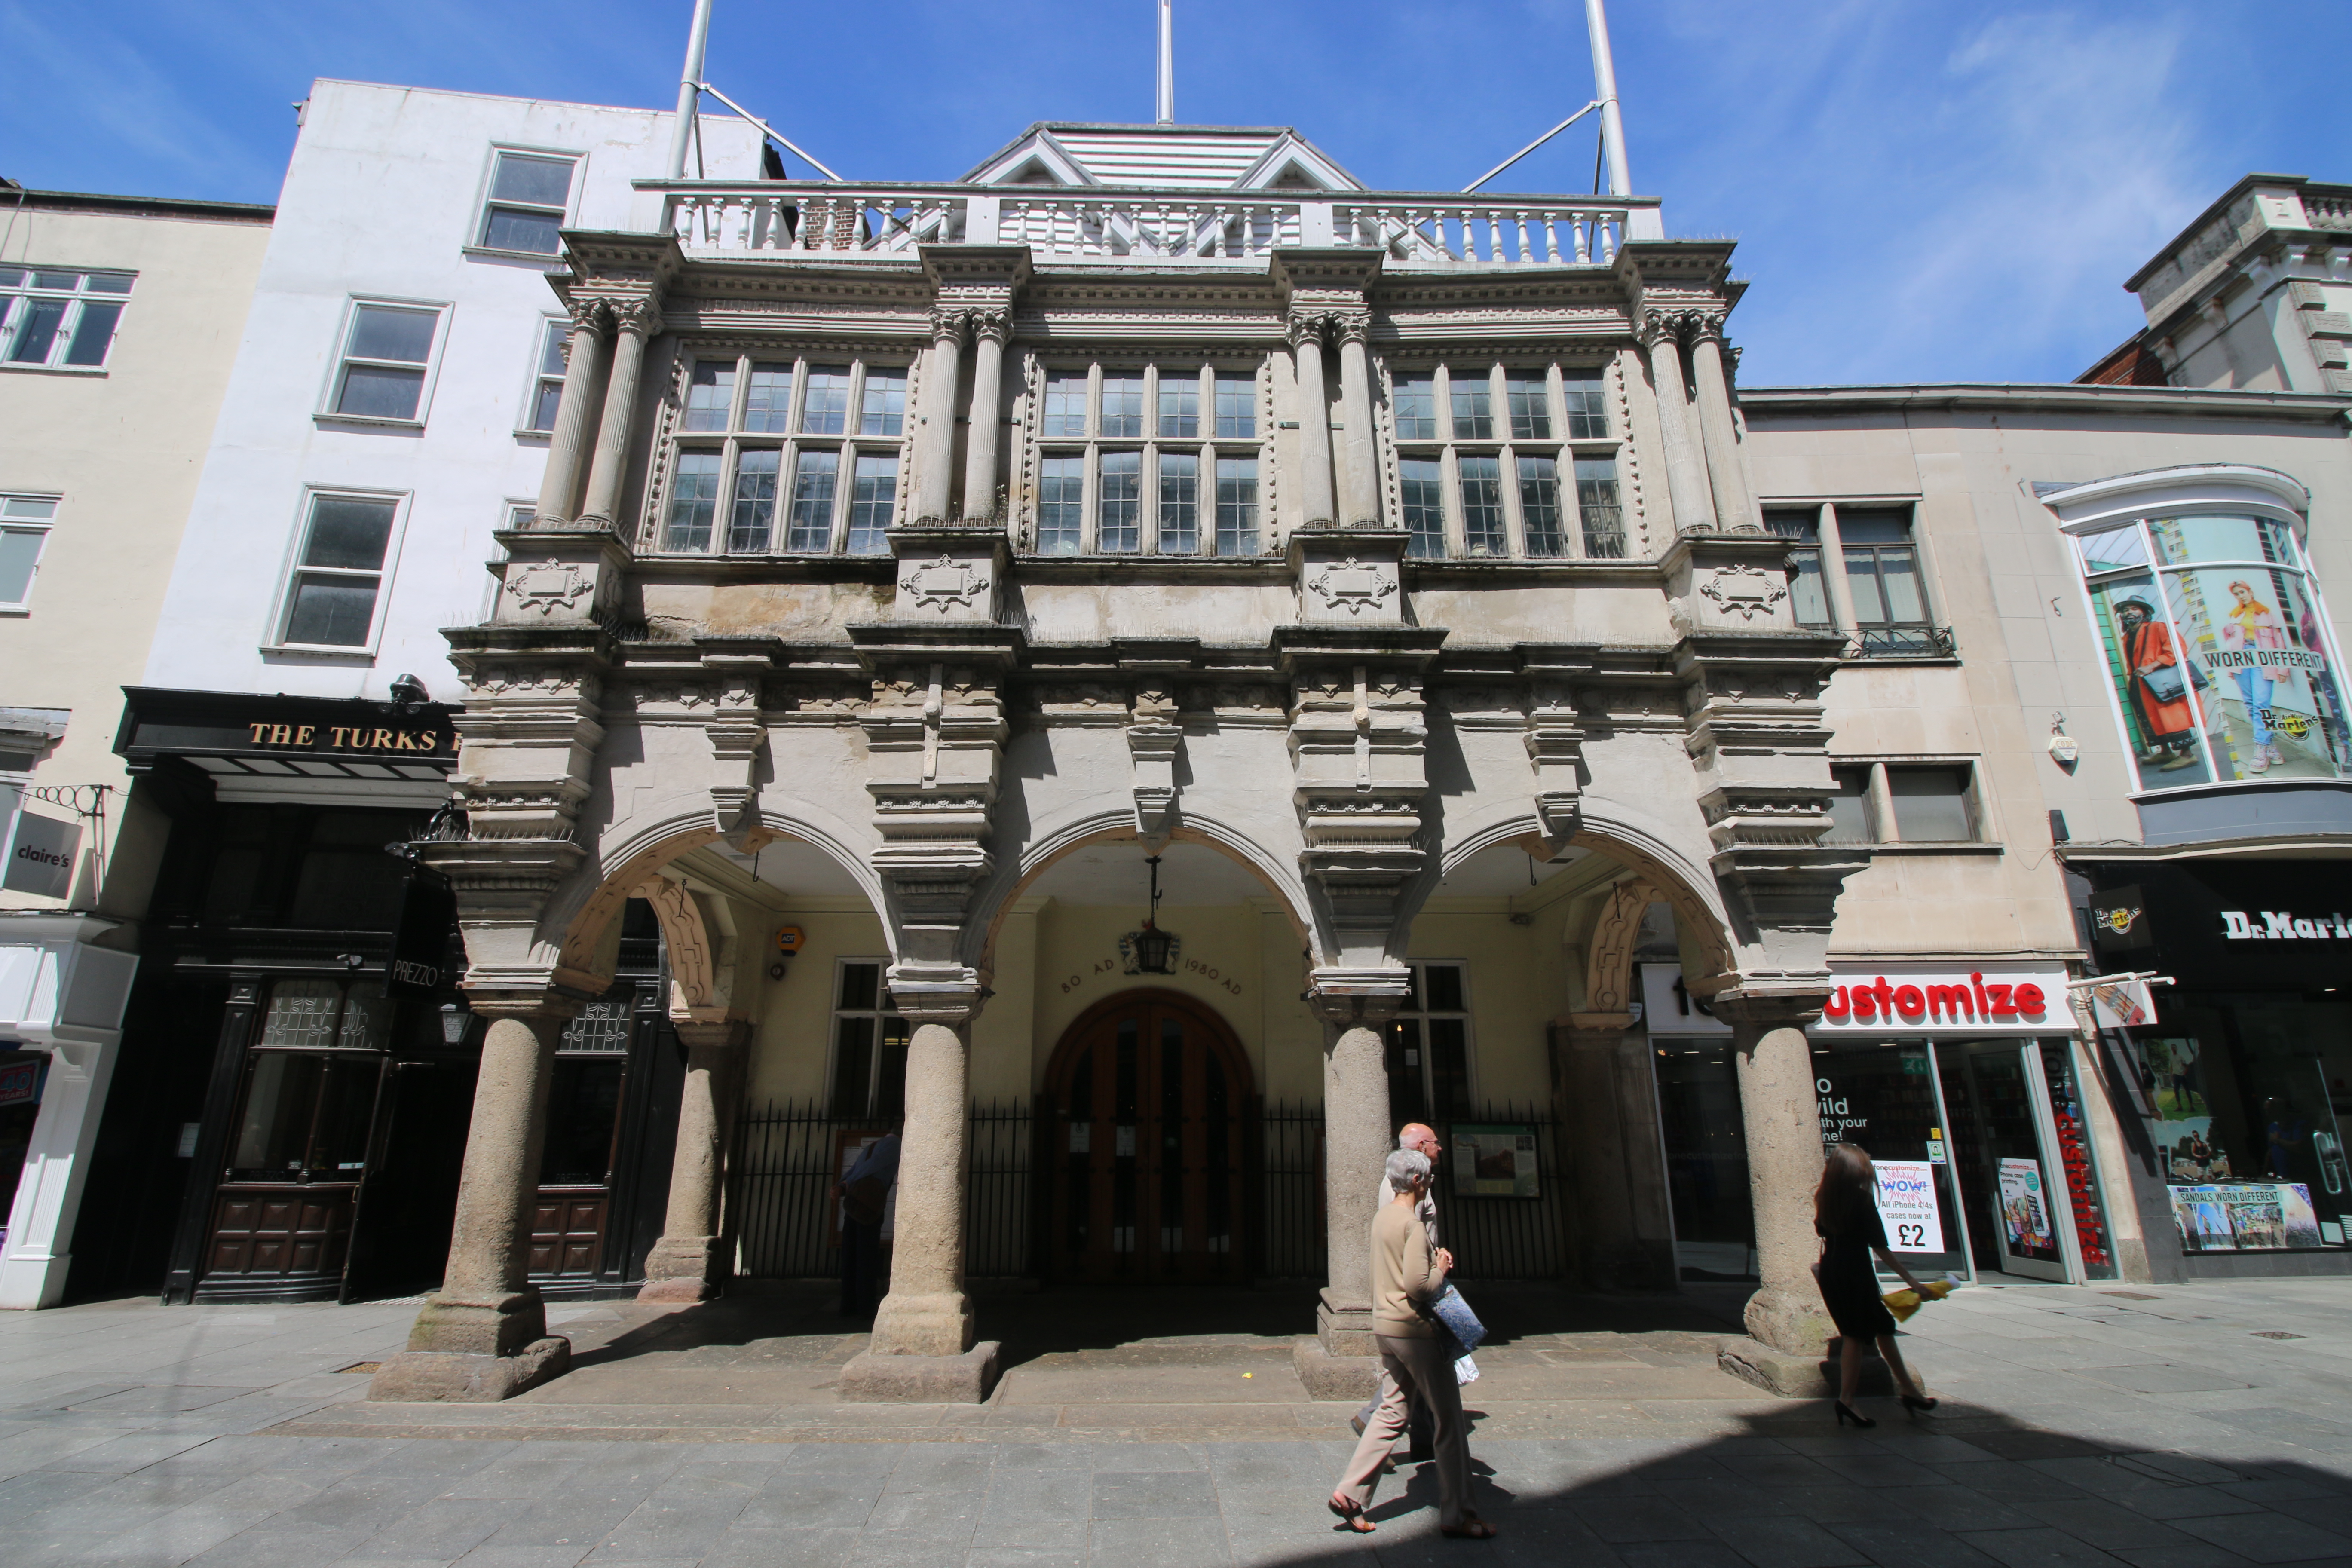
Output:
x=1151 y=943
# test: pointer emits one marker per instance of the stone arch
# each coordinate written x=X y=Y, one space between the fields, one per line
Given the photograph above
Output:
x=1117 y=824
x=629 y=857
x=1609 y=961
x=1686 y=887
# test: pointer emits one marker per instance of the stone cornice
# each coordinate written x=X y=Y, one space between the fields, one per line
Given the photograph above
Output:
x=1761 y=404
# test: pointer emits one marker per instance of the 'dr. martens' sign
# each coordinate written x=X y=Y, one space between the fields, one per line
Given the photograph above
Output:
x=349 y=738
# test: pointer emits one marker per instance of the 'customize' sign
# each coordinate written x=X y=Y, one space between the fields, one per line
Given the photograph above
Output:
x=1973 y=1001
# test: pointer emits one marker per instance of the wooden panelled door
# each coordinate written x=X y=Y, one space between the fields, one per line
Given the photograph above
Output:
x=1149 y=1091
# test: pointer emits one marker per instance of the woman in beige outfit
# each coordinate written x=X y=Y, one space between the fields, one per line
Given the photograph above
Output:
x=1408 y=1273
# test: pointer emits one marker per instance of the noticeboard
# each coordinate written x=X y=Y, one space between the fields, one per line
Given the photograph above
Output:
x=1496 y=1161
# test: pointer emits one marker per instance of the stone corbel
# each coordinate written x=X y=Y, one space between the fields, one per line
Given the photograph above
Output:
x=1555 y=747
x=1154 y=741
x=736 y=732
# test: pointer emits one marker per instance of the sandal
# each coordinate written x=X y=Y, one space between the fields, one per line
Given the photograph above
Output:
x=1350 y=1515
x=1472 y=1528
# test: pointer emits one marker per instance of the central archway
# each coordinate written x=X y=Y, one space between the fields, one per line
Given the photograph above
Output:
x=1148 y=1096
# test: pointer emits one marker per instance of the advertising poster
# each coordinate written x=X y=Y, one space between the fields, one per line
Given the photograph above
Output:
x=2203 y=1224
x=2271 y=704
x=2153 y=681
x=2256 y=1222
x=1495 y=1163
x=2171 y=1075
x=1908 y=1206
x=20 y=1081
x=2301 y=1219
x=2023 y=1213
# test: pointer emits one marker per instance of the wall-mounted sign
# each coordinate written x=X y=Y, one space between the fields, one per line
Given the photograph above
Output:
x=1974 y=1001
x=41 y=856
x=2119 y=920
x=1669 y=1009
x=1494 y=1161
x=2284 y=925
x=362 y=737
x=2121 y=1003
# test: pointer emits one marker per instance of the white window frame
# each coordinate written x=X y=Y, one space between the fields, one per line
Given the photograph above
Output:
x=40 y=528
x=1424 y=1013
x=884 y=1009
x=340 y=359
x=1207 y=447
x=1447 y=450
x=16 y=299
x=478 y=217
x=790 y=443
x=535 y=379
x=282 y=603
x=514 y=512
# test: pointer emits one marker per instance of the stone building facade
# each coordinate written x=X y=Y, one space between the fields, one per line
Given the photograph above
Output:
x=921 y=570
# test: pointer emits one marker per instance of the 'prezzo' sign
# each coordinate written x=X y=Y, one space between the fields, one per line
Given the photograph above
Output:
x=1930 y=1002
x=2284 y=925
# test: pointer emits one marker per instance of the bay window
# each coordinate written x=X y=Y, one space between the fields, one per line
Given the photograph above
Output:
x=822 y=443
x=1500 y=462
x=1123 y=452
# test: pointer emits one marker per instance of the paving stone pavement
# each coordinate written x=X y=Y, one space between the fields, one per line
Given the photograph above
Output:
x=2154 y=1426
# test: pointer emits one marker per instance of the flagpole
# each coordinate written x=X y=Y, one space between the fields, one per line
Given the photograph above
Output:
x=1604 y=88
x=1166 y=105
x=689 y=89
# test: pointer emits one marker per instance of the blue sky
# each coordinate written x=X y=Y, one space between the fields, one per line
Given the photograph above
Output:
x=1921 y=191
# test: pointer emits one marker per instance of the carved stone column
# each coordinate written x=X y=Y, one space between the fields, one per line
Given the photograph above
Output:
x=935 y=432
x=1359 y=476
x=1735 y=506
x=483 y=1335
x=1686 y=487
x=1780 y=1115
x=1356 y=1005
x=923 y=1347
x=575 y=412
x=688 y=1263
x=634 y=320
x=1305 y=331
x=985 y=434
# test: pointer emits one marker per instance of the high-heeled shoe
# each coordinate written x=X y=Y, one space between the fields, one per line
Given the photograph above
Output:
x=1916 y=1403
x=1846 y=1413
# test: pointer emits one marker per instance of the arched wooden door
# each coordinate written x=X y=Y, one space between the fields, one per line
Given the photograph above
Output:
x=1150 y=1092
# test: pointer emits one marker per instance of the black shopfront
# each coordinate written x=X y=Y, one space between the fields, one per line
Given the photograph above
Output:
x=2235 y=1093
x=289 y=1117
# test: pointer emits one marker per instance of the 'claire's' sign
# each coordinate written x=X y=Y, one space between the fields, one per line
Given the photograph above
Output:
x=1938 y=1002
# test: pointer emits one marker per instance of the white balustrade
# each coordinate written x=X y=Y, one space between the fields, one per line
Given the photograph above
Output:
x=796 y=218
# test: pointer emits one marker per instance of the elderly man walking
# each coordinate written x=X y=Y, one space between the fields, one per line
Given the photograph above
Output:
x=1422 y=1141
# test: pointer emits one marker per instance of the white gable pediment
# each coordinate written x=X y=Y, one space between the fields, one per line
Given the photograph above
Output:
x=1292 y=164
x=1035 y=158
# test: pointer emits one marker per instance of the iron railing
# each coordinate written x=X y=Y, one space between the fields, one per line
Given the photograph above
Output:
x=786 y=1160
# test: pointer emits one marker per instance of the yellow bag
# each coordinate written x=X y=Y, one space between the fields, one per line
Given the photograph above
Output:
x=1903 y=1303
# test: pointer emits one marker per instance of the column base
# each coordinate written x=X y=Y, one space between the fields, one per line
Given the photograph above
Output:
x=1799 y=1376
x=1344 y=1329
x=469 y=1378
x=33 y=1280
x=937 y=1325
x=682 y=1268
x=880 y=1379
x=1354 y=1378
x=1791 y=1324
x=480 y=1325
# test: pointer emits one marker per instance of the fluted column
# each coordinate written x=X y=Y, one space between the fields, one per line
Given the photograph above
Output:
x=1360 y=483
x=935 y=435
x=567 y=447
x=688 y=1263
x=1314 y=421
x=983 y=436
x=634 y=320
x=1686 y=486
x=1735 y=506
x=483 y=1335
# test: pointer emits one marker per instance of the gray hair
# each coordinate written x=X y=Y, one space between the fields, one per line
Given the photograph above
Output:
x=1405 y=1167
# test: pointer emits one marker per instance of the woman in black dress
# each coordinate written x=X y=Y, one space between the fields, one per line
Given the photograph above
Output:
x=1846 y=1217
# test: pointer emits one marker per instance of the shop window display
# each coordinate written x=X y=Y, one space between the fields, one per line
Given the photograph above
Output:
x=2243 y=1093
x=1883 y=1099
x=2218 y=649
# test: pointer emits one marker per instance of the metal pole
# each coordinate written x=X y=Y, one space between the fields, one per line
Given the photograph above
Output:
x=1166 y=62
x=1604 y=88
x=1531 y=147
x=689 y=89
